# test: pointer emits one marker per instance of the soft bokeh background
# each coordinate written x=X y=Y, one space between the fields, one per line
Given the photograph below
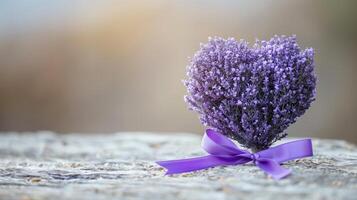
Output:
x=108 y=66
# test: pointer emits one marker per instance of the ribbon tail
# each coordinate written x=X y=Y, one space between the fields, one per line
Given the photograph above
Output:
x=193 y=164
x=273 y=168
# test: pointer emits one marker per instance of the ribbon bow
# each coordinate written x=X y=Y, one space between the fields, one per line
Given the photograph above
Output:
x=223 y=151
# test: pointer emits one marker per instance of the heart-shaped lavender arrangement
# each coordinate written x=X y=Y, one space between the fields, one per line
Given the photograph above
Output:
x=251 y=94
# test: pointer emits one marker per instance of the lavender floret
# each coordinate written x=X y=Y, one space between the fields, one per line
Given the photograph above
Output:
x=251 y=94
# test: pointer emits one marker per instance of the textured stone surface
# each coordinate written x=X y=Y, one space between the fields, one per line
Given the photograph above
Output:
x=121 y=166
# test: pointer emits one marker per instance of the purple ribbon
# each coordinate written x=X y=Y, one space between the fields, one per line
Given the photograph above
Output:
x=223 y=151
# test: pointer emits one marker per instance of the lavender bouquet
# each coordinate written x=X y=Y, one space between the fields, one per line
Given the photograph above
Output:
x=251 y=94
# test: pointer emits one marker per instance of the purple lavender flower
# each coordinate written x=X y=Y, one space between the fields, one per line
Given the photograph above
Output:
x=251 y=94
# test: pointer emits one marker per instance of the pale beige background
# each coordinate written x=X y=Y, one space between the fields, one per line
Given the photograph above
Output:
x=106 y=66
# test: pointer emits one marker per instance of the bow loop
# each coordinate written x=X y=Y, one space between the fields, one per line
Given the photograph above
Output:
x=219 y=145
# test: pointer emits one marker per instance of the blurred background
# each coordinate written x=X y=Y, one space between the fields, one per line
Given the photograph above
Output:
x=109 y=66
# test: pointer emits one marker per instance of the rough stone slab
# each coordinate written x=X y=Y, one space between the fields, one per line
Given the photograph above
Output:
x=121 y=166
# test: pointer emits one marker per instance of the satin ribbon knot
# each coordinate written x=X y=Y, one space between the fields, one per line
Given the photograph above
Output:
x=222 y=151
x=254 y=157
